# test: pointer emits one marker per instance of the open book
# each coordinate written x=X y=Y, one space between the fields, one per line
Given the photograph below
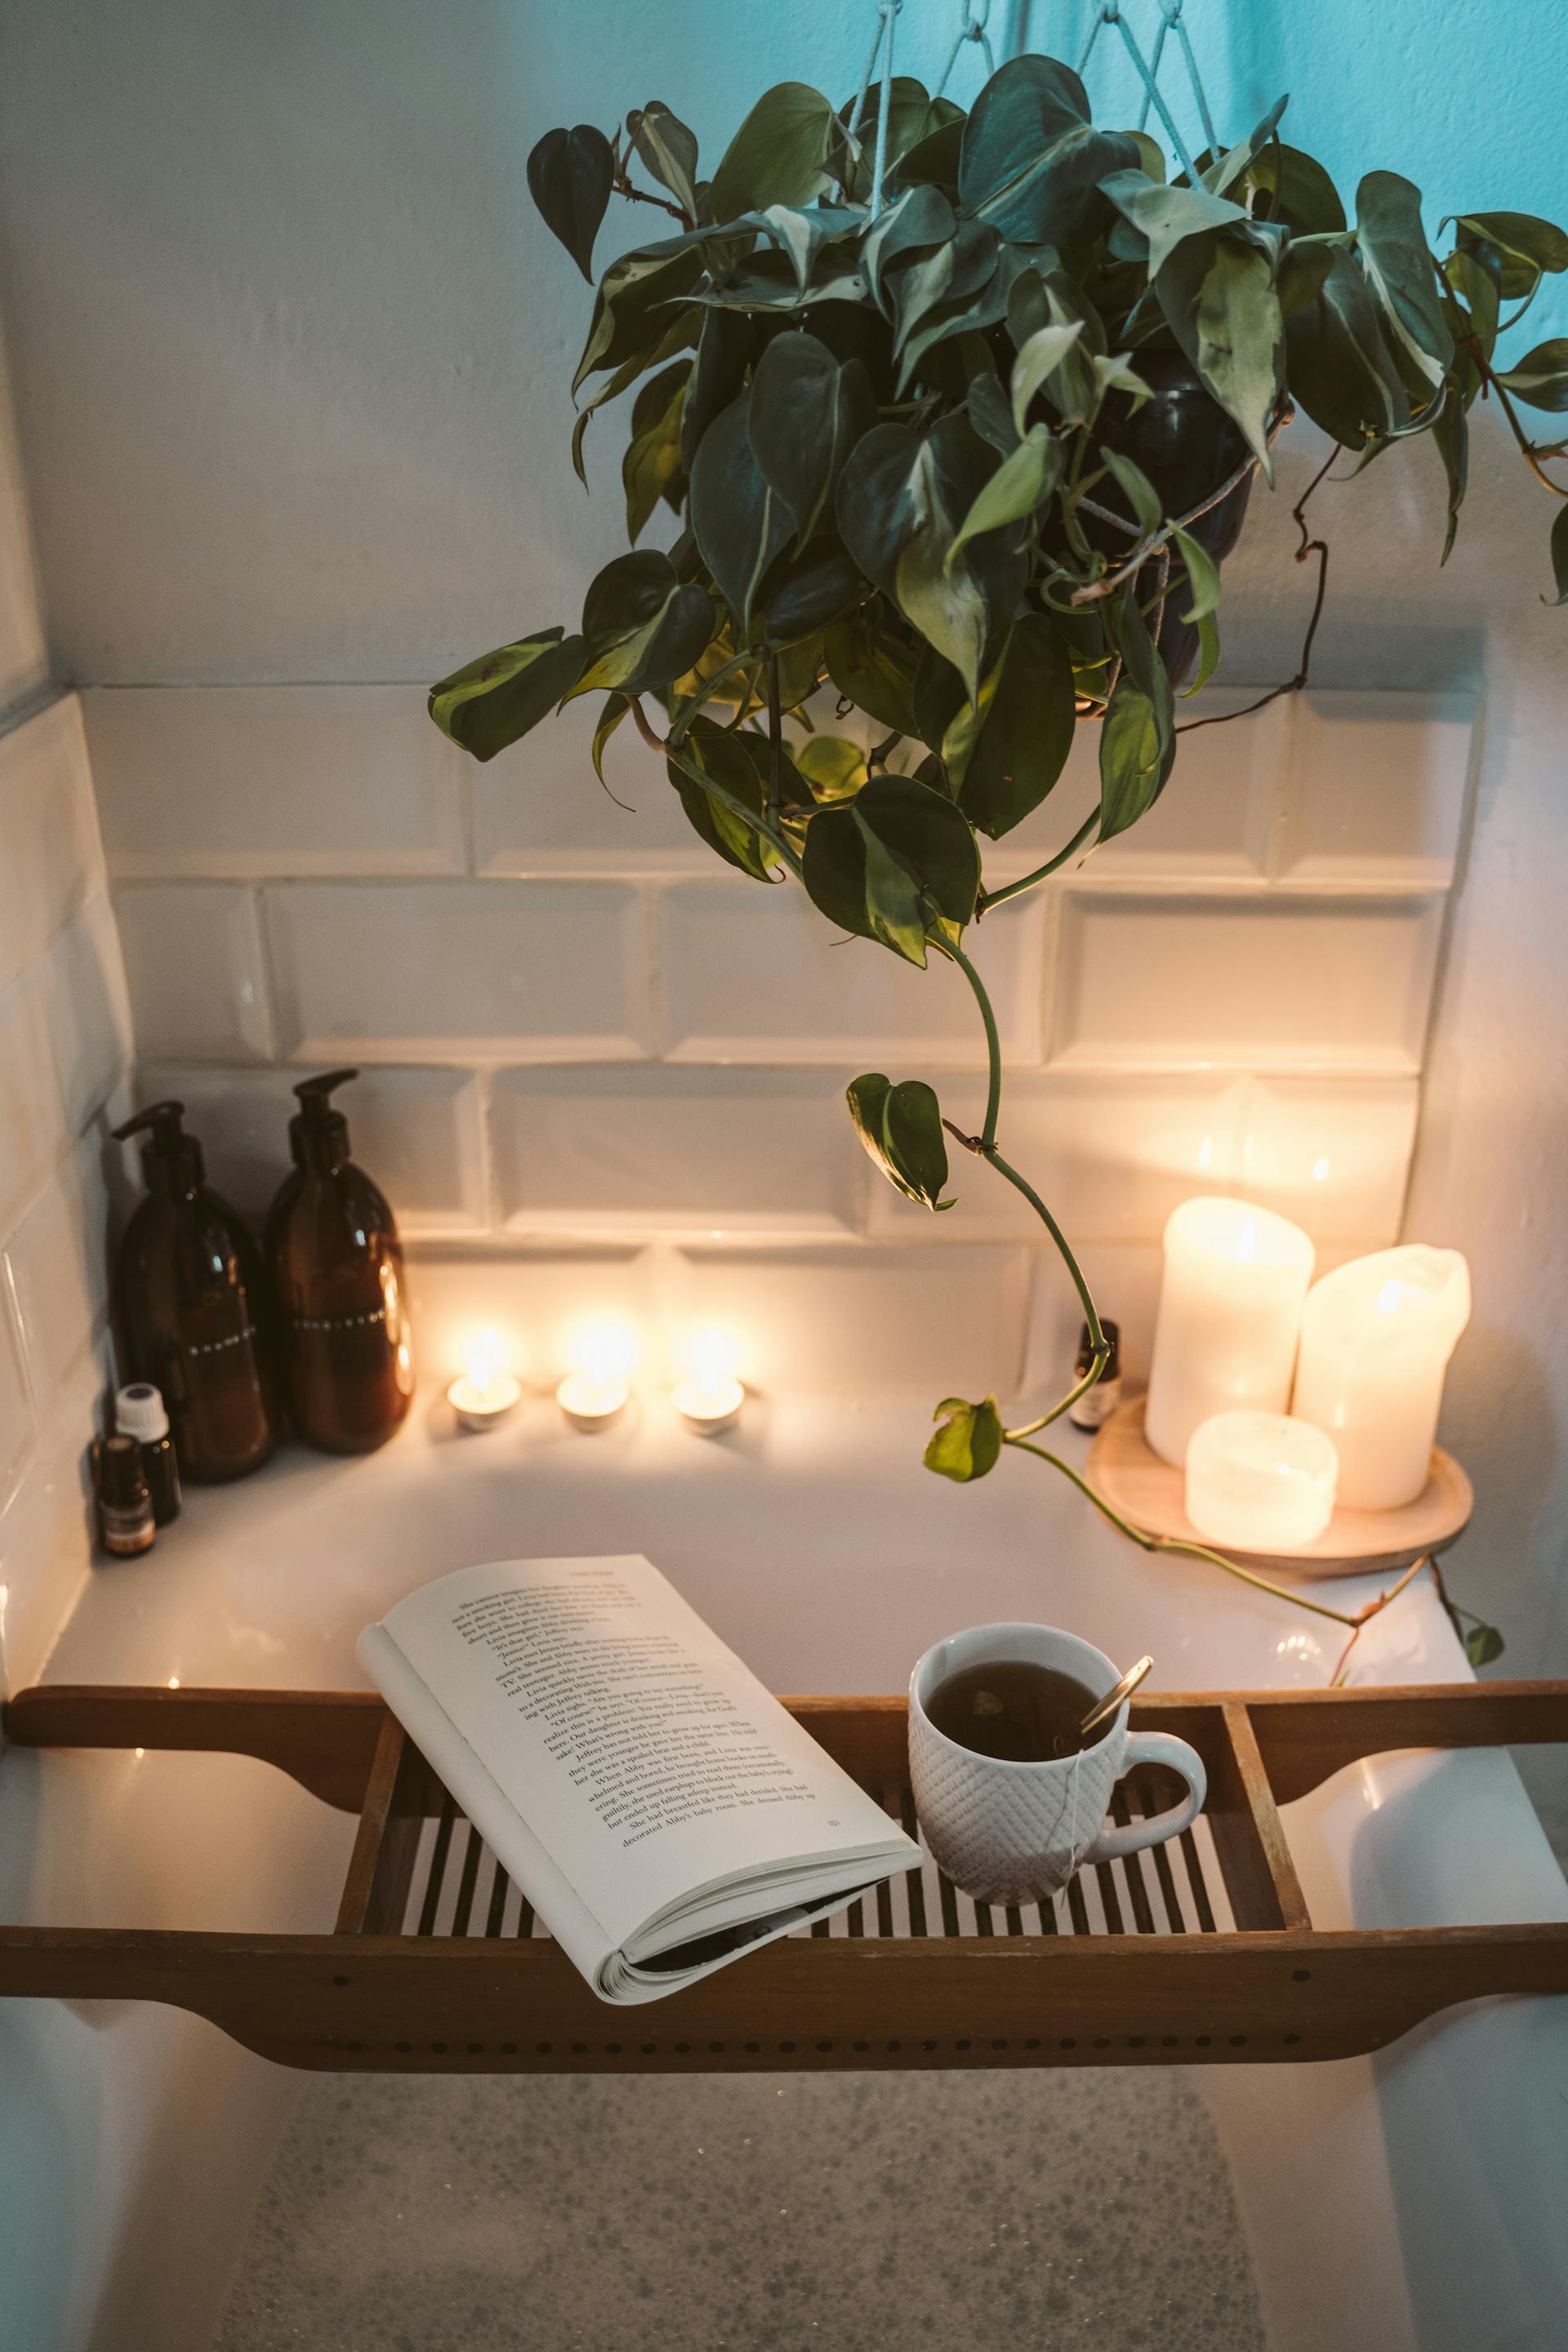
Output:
x=657 y=1807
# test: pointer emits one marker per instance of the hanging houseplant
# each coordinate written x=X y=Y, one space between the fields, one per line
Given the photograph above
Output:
x=958 y=417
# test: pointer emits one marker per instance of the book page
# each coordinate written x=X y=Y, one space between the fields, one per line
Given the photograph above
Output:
x=645 y=1758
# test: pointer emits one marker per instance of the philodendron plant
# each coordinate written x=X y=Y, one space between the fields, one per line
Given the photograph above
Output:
x=956 y=425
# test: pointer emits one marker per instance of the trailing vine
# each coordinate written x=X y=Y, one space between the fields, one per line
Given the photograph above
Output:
x=956 y=418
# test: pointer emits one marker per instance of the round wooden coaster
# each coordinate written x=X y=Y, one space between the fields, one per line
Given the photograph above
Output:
x=1148 y=1492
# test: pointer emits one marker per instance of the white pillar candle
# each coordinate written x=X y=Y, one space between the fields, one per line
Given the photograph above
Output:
x=1230 y=1312
x=1261 y=1481
x=1377 y=1337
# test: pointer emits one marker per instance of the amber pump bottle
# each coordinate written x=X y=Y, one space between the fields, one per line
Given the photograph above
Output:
x=191 y=1308
x=336 y=1266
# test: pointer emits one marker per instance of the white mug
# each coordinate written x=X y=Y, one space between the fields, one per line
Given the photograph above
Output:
x=1015 y=1833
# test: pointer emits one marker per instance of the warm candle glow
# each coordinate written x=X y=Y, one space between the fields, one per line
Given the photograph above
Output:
x=1230 y=1309
x=710 y=1398
x=1261 y=1481
x=1377 y=1337
x=486 y=1391
x=604 y=1356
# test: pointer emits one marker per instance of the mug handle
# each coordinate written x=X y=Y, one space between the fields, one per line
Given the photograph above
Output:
x=1154 y=1747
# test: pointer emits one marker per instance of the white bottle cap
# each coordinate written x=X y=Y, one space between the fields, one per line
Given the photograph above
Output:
x=139 y=1413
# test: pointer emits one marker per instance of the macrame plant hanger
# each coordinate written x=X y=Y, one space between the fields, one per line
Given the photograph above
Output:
x=973 y=18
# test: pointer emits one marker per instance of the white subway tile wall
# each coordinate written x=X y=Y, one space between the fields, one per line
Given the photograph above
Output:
x=580 y=1031
x=508 y=971
x=214 y=782
x=65 y=1064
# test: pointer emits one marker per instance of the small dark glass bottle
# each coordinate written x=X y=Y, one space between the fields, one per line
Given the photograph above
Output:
x=124 y=1506
x=336 y=1266
x=1097 y=1404
x=139 y=1413
x=191 y=1308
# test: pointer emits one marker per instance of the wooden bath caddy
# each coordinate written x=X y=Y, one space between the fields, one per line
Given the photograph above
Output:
x=1150 y=1491
x=1197 y=1952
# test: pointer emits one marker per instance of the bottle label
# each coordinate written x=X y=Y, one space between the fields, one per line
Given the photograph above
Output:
x=126 y=1532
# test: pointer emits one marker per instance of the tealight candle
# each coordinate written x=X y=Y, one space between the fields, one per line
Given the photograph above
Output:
x=1261 y=1481
x=485 y=1392
x=598 y=1386
x=709 y=1399
x=1230 y=1313
x=1377 y=1337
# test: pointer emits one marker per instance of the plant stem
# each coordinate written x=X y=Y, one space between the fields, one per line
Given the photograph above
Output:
x=775 y=743
x=1527 y=446
x=694 y=708
x=989 y=898
x=1175 y=1544
x=951 y=948
x=984 y=1144
x=1309 y=546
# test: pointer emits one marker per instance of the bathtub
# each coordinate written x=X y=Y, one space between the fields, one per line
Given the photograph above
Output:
x=1409 y=2203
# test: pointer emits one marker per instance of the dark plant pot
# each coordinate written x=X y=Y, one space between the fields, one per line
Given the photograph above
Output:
x=1188 y=448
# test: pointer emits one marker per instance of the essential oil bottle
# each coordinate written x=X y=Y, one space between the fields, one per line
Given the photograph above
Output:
x=1097 y=1404
x=140 y=1412
x=125 y=1521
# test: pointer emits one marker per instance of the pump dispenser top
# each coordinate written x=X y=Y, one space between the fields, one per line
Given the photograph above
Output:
x=337 y=1273
x=319 y=1133
x=190 y=1301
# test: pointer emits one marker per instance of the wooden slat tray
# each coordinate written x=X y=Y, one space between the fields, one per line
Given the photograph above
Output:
x=1198 y=1952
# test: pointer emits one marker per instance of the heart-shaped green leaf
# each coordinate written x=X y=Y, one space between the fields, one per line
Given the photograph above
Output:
x=1231 y=166
x=650 y=470
x=1451 y=432
x=1483 y=1644
x=1165 y=215
x=900 y=1127
x=1341 y=368
x=1541 y=379
x=1038 y=361
x=570 y=174
x=1148 y=507
x=833 y=767
x=1025 y=729
x=969 y=1441
x=912 y=116
x=1391 y=244
x=1032 y=161
x=876 y=672
x=807 y=413
x=643 y=626
x=728 y=788
x=901 y=501
x=1017 y=489
x=1525 y=245
x=740 y=522
x=492 y=702
x=1296 y=190
x=1137 y=738
x=777 y=154
x=1559 y=558
x=629 y=313
x=1203 y=574
x=809 y=592
x=917 y=222
x=892 y=862
x=1218 y=296
x=614 y=711
x=668 y=149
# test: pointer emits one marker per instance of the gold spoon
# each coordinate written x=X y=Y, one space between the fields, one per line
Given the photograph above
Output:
x=1108 y=1705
